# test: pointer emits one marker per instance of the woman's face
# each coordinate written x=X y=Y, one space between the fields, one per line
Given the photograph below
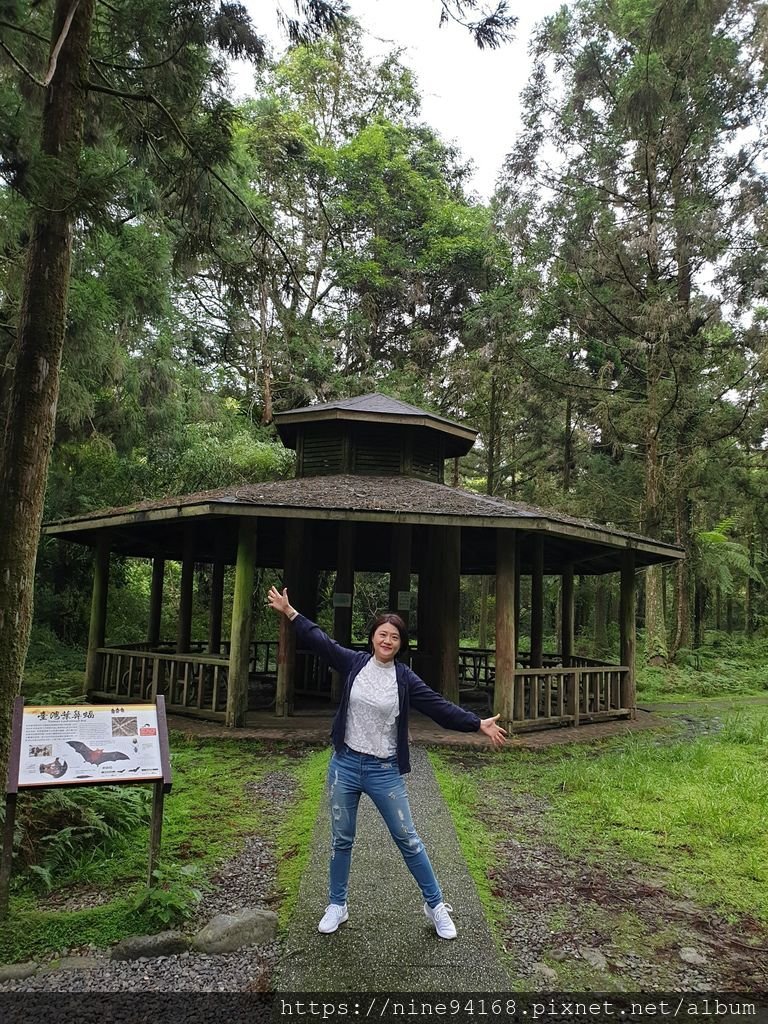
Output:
x=386 y=641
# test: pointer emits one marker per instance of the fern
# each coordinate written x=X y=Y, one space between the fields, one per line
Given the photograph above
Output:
x=59 y=832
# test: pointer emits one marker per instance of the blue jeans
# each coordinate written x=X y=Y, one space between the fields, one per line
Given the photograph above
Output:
x=350 y=774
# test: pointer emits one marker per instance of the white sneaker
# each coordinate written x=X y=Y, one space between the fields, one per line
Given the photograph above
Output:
x=441 y=919
x=334 y=916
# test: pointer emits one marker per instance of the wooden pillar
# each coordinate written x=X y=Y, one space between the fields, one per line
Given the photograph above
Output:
x=242 y=620
x=97 y=631
x=447 y=612
x=627 y=629
x=217 y=604
x=344 y=587
x=518 y=603
x=566 y=615
x=537 y=602
x=156 y=601
x=506 y=625
x=293 y=570
x=428 y=606
x=400 y=570
x=184 y=632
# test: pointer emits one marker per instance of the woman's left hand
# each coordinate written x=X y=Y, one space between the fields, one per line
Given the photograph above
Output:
x=493 y=731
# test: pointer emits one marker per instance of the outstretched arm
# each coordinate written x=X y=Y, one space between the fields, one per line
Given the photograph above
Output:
x=309 y=635
x=450 y=715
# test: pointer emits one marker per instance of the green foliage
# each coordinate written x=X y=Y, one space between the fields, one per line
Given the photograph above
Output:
x=724 y=561
x=206 y=817
x=724 y=666
x=65 y=832
x=476 y=839
x=53 y=673
x=693 y=809
x=173 y=896
x=295 y=835
x=614 y=377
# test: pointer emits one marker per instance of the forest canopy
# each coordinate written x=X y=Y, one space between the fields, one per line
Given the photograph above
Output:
x=601 y=320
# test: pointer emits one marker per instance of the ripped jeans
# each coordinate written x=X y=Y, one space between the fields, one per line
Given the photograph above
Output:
x=351 y=774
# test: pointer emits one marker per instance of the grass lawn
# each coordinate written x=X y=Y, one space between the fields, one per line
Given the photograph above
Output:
x=694 y=810
x=91 y=840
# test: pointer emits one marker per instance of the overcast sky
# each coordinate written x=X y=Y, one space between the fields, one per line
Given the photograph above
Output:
x=469 y=95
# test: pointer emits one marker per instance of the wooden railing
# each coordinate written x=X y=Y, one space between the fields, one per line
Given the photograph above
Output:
x=196 y=683
x=477 y=665
x=190 y=682
x=544 y=696
x=263 y=656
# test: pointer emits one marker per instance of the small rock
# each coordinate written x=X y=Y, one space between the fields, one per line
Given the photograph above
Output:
x=546 y=973
x=593 y=957
x=558 y=954
x=74 y=963
x=17 y=972
x=226 y=933
x=692 y=956
x=143 y=947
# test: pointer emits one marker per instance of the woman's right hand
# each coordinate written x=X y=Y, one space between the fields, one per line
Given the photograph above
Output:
x=279 y=601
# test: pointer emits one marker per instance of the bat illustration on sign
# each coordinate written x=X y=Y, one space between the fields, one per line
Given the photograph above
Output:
x=97 y=756
x=55 y=768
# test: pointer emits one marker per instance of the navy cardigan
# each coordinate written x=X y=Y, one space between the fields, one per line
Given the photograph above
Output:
x=411 y=690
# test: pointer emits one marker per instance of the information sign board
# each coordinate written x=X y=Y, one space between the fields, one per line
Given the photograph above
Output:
x=67 y=744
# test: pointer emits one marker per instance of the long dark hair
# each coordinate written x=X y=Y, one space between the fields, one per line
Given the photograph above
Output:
x=393 y=620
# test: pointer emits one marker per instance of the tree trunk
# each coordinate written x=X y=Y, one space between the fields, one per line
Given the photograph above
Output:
x=29 y=427
x=490 y=471
x=749 y=593
x=655 y=625
x=567 y=448
x=699 y=611
x=683 y=536
x=266 y=362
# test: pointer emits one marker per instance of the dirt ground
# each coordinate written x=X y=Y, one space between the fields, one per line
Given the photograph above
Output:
x=568 y=925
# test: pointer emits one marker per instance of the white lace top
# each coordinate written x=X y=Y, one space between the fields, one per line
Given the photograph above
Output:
x=373 y=709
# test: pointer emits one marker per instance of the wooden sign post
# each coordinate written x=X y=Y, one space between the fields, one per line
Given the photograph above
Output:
x=84 y=745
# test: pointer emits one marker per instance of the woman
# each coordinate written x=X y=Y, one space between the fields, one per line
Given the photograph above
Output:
x=370 y=739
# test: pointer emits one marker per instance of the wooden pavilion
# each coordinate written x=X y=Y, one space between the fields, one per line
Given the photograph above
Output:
x=369 y=495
